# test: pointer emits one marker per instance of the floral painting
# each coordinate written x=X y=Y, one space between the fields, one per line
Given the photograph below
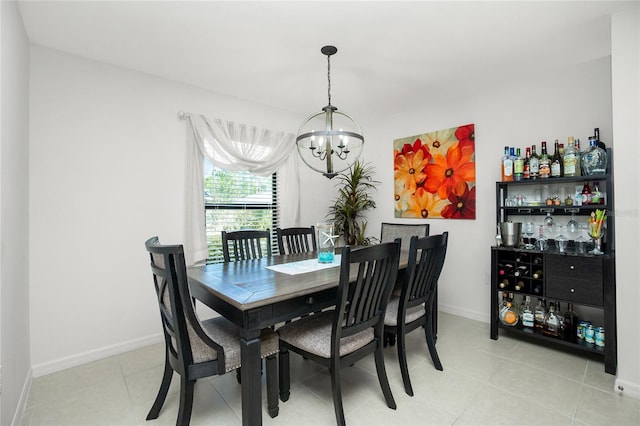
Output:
x=435 y=174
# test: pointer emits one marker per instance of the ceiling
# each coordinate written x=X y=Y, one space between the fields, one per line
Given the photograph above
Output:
x=392 y=56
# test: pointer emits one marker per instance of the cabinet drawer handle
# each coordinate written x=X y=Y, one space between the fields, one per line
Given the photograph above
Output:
x=572 y=267
x=524 y=210
x=573 y=290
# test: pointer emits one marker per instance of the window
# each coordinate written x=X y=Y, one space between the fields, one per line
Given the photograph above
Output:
x=235 y=201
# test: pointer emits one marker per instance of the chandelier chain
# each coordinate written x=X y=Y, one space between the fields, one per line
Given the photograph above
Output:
x=329 y=78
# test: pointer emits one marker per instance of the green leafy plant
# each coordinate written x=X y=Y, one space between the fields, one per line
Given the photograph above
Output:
x=353 y=200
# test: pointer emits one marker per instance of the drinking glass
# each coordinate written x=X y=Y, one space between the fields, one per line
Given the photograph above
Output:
x=326 y=242
x=529 y=229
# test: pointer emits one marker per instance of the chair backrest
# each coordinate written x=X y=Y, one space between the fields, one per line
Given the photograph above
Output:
x=296 y=240
x=363 y=298
x=391 y=231
x=245 y=244
x=185 y=340
x=426 y=260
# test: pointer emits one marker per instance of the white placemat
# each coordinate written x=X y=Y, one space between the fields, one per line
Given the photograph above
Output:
x=304 y=266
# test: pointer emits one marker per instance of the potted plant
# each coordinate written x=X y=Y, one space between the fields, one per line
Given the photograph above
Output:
x=352 y=202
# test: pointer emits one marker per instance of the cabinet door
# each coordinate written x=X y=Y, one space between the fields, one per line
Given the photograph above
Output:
x=574 y=279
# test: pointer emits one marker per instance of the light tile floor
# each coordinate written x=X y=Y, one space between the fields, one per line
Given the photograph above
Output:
x=509 y=381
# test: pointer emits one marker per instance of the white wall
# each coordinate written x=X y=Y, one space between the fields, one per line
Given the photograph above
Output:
x=570 y=103
x=14 y=214
x=107 y=169
x=625 y=58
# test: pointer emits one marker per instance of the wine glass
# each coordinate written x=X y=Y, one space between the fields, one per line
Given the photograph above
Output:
x=572 y=225
x=541 y=241
x=529 y=229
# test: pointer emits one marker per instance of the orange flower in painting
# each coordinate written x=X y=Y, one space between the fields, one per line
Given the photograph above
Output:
x=450 y=174
x=462 y=206
x=424 y=204
x=409 y=169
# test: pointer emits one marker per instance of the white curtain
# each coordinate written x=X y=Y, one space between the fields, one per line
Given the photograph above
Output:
x=236 y=147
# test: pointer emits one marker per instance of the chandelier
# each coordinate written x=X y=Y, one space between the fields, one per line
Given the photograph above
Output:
x=337 y=143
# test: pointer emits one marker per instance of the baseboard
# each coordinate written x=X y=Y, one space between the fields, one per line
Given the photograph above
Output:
x=94 y=355
x=628 y=389
x=22 y=402
x=465 y=313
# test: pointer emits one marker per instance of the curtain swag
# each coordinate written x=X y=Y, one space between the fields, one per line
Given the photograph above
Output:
x=236 y=147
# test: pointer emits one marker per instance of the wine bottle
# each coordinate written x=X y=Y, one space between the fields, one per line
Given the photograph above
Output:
x=534 y=163
x=544 y=165
x=521 y=271
x=519 y=286
x=586 y=193
x=596 y=136
x=507 y=166
x=504 y=283
x=556 y=161
x=537 y=274
x=526 y=172
x=505 y=269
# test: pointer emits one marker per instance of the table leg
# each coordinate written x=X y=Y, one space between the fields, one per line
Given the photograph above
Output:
x=251 y=383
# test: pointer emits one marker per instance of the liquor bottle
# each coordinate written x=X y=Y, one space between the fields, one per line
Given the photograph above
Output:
x=539 y=313
x=537 y=274
x=508 y=315
x=570 y=160
x=594 y=161
x=526 y=171
x=556 y=161
x=560 y=316
x=518 y=167
x=578 y=158
x=527 y=313
x=551 y=324
x=596 y=135
x=507 y=166
x=571 y=321
x=544 y=165
x=534 y=163
x=596 y=195
x=586 y=193
x=521 y=271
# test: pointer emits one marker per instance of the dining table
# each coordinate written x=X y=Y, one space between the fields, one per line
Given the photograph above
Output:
x=260 y=293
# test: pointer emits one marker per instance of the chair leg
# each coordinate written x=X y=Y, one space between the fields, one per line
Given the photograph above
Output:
x=337 y=395
x=431 y=343
x=186 y=401
x=283 y=373
x=382 y=378
x=272 y=385
x=162 y=392
x=402 y=359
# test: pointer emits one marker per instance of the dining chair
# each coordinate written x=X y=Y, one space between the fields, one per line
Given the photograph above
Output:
x=246 y=244
x=413 y=308
x=196 y=349
x=391 y=231
x=296 y=240
x=353 y=330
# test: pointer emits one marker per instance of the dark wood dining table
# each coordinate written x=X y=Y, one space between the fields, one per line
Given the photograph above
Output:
x=254 y=297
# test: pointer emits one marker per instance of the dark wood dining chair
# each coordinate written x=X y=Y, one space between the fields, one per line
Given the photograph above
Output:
x=413 y=308
x=391 y=231
x=196 y=349
x=296 y=240
x=353 y=330
x=245 y=245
